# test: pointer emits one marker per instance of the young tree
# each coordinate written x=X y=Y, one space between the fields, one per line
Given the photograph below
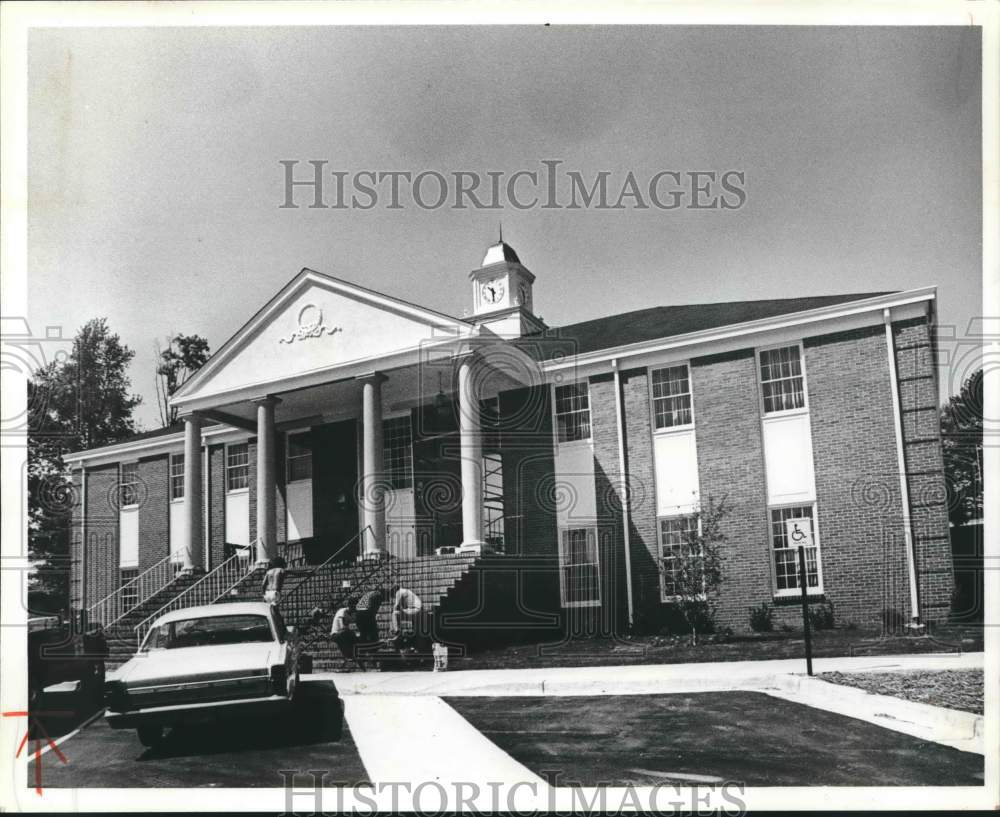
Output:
x=962 y=441
x=184 y=355
x=692 y=569
x=81 y=401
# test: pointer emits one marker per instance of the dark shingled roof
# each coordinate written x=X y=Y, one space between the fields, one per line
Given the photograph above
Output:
x=668 y=321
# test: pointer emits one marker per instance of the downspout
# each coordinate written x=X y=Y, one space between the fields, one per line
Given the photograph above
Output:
x=84 y=578
x=626 y=524
x=904 y=490
x=205 y=506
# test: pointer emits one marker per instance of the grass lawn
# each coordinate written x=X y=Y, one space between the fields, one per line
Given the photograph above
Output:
x=581 y=652
x=954 y=689
x=707 y=737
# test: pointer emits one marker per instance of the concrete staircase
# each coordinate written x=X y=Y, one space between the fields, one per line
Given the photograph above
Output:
x=432 y=578
x=120 y=636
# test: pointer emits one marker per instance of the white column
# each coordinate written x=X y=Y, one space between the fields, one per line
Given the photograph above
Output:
x=192 y=557
x=267 y=523
x=471 y=448
x=373 y=493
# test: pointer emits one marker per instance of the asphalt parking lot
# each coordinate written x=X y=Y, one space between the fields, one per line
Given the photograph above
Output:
x=243 y=753
x=749 y=737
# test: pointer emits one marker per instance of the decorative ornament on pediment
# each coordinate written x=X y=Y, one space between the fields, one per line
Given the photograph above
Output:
x=311 y=325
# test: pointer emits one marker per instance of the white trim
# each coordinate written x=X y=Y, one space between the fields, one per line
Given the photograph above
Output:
x=738 y=330
x=904 y=488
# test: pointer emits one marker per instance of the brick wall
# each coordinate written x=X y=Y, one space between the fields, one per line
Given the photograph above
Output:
x=154 y=512
x=918 y=396
x=216 y=503
x=859 y=506
x=731 y=465
x=102 y=532
x=643 y=536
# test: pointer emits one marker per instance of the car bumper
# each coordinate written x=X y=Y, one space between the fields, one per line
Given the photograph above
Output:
x=196 y=713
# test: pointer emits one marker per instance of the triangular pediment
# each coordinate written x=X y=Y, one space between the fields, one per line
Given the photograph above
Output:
x=316 y=324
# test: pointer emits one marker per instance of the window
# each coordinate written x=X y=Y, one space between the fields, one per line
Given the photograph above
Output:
x=237 y=467
x=128 y=484
x=397 y=456
x=781 y=380
x=208 y=631
x=177 y=476
x=671 y=397
x=130 y=588
x=676 y=534
x=573 y=412
x=580 y=571
x=786 y=554
x=299 y=461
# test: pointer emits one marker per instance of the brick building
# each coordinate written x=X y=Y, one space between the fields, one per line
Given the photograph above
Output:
x=340 y=423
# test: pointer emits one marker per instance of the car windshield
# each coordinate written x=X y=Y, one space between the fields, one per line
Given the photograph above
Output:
x=203 y=632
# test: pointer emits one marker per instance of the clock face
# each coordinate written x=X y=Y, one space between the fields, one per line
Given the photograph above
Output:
x=493 y=291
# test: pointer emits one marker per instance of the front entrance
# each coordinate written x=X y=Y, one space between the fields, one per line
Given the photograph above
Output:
x=335 y=489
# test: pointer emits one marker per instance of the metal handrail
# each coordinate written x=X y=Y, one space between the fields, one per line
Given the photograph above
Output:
x=326 y=563
x=112 y=609
x=208 y=589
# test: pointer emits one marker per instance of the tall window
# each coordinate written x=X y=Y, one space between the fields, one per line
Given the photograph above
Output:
x=237 y=467
x=786 y=554
x=299 y=460
x=781 y=379
x=579 y=568
x=397 y=454
x=573 y=412
x=676 y=533
x=129 y=484
x=671 y=397
x=130 y=588
x=177 y=476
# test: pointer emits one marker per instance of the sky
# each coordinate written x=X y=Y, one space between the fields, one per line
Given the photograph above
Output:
x=155 y=181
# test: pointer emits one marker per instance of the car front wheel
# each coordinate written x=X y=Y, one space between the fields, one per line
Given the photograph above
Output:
x=149 y=735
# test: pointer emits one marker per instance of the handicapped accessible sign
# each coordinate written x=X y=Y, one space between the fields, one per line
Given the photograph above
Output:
x=799 y=532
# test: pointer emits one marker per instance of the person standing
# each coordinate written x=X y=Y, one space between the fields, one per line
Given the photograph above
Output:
x=274 y=580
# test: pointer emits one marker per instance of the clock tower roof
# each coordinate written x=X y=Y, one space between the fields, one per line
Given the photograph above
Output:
x=500 y=252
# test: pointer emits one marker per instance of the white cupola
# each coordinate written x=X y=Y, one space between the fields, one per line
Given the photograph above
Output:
x=501 y=293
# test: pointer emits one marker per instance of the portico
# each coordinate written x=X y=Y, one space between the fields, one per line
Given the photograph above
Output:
x=292 y=369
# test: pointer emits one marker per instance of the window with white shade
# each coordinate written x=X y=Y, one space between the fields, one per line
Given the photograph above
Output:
x=579 y=568
x=671 y=397
x=128 y=484
x=572 y=410
x=237 y=467
x=299 y=459
x=177 y=476
x=678 y=547
x=782 y=382
x=786 y=554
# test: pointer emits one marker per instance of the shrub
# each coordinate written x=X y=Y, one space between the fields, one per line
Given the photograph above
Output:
x=762 y=618
x=821 y=616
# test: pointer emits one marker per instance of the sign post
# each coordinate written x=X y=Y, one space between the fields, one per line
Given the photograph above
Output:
x=799 y=534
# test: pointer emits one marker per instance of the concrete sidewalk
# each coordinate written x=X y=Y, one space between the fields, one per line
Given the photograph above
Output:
x=643 y=679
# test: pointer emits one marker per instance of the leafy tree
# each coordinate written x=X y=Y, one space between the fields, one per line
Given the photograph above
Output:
x=962 y=440
x=693 y=572
x=184 y=355
x=78 y=402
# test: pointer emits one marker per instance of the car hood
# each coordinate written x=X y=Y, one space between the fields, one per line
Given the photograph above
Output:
x=186 y=663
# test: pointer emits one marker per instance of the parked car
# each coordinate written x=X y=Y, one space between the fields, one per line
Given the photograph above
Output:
x=204 y=663
x=59 y=652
